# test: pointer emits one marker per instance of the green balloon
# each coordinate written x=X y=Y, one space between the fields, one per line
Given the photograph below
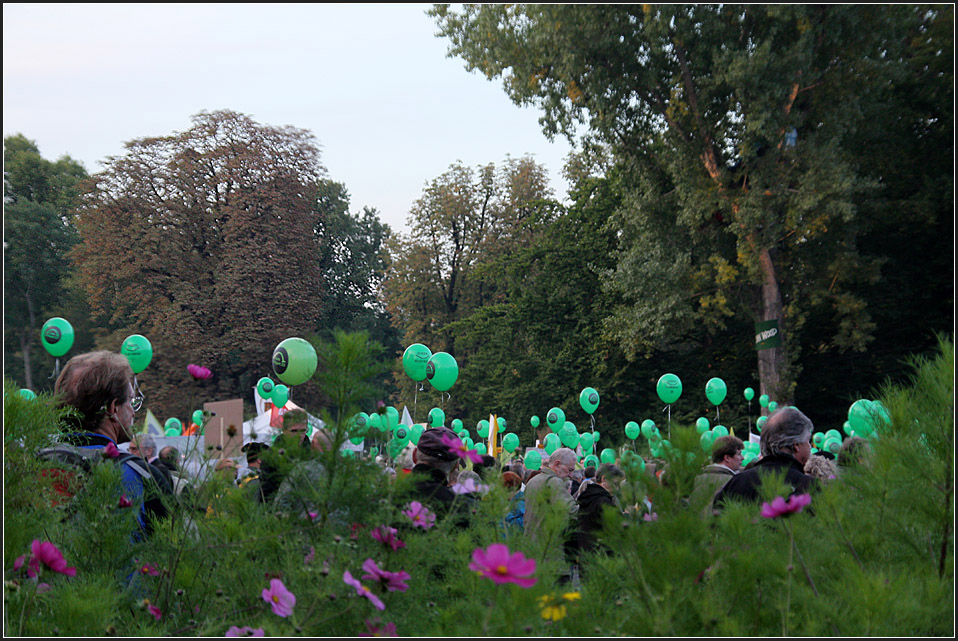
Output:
x=501 y=422
x=356 y=440
x=172 y=431
x=833 y=434
x=138 y=351
x=415 y=432
x=715 y=391
x=589 y=400
x=197 y=417
x=772 y=406
x=719 y=431
x=392 y=417
x=590 y=461
x=437 y=418
x=456 y=425
x=414 y=361
x=702 y=425
x=442 y=371
x=280 y=395
x=27 y=394
x=832 y=445
x=632 y=430
x=669 y=388
x=361 y=423
x=555 y=419
x=763 y=400
x=847 y=428
x=552 y=443
x=483 y=428
x=395 y=447
x=760 y=423
x=480 y=447
x=534 y=421
x=569 y=435
x=402 y=434
x=647 y=428
x=586 y=441
x=607 y=455
x=264 y=387
x=510 y=442
x=818 y=438
x=595 y=436
x=749 y=393
x=706 y=441
x=294 y=361
x=173 y=424
x=375 y=420
x=57 y=336
x=468 y=442
x=533 y=460
x=861 y=417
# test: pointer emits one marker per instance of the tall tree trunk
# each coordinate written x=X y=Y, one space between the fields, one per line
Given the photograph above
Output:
x=25 y=350
x=771 y=361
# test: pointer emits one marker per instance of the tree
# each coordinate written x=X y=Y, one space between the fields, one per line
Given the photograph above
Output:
x=205 y=242
x=39 y=196
x=733 y=123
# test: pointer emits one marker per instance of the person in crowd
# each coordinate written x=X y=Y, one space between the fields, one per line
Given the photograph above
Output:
x=726 y=463
x=99 y=387
x=517 y=502
x=593 y=500
x=434 y=462
x=546 y=493
x=853 y=452
x=301 y=489
x=575 y=480
x=822 y=467
x=143 y=446
x=588 y=476
x=292 y=443
x=169 y=457
x=786 y=446
x=404 y=460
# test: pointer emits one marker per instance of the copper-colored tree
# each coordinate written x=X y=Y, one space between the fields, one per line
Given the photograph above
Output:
x=204 y=242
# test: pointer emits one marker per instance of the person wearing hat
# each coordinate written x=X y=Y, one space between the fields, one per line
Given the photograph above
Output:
x=433 y=462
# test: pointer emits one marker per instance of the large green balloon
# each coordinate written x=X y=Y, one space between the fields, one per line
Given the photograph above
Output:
x=442 y=370
x=402 y=434
x=648 y=426
x=590 y=461
x=57 y=336
x=719 y=431
x=172 y=431
x=414 y=361
x=280 y=395
x=669 y=388
x=392 y=417
x=860 y=417
x=706 y=441
x=715 y=391
x=264 y=387
x=294 y=361
x=483 y=428
x=437 y=418
x=607 y=455
x=534 y=421
x=702 y=425
x=552 y=443
x=415 y=432
x=138 y=351
x=375 y=421
x=586 y=441
x=749 y=393
x=28 y=394
x=456 y=424
x=480 y=447
x=589 y=400
x=632 y=430
x=555 y=419
x=533 y=460
x=569 y=435
x=772 y=406
x=510 y=442
x=763 y=400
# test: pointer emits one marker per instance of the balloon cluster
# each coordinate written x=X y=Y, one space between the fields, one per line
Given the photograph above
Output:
x=440 y=369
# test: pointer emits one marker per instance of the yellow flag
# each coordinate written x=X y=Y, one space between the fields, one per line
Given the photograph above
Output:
x=493 y=431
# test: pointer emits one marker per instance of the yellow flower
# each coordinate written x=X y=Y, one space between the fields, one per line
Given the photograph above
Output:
x=553 y=609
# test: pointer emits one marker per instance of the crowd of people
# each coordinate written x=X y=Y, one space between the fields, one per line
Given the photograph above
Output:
x=560 y=502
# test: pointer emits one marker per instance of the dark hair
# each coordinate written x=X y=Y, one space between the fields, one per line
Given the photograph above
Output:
x=726 y=446
x=90 y=382
x=589 y=472
x=609 y=471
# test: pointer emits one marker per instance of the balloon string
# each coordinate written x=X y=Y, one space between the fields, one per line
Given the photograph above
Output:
x=56 y=370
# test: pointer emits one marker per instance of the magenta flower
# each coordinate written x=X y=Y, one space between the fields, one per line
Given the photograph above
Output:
x=111 y=451
x=387 y=536
x=420 y=515
x=198 y=372
x=155 y=611
x=780 y=507
x=457 y=447
x=125 y=502
x=245 y=631
x=650 y=516
x=469 y=487
x=47 y=554
x=279 y=598
x=313 y=515
x=496 y=563
x=392 y=581
x=150 y=569
x=362 y=590
x=376 y=629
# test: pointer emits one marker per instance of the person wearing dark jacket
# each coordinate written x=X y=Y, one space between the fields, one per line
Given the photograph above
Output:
x=786 y=446
x=593 y=500
x=433 y=462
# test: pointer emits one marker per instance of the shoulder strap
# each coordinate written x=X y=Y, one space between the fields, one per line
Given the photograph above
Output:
x=71 y=455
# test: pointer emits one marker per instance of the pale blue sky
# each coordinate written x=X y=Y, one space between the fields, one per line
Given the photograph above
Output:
x=371 y=81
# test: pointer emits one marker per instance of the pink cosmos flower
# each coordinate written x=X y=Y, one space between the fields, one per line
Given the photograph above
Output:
x=309 y=556
x=420 y=515
x=457 y=447
x=496 y=563
x=155 y=611
x=650 y=516
x=362 y=590
x=392 y=581
x=47 y=554
x=125 y=502
x=43 y=587
x=469 y=487
x=111 y=451
x=245 y=631
x=780 y=507
x=376 y=629
x=387 y=536
x=198 y=372
x=313 y=515
x=150 y=569
x=279 y=598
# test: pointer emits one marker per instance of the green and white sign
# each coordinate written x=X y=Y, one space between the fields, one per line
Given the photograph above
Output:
x=767 y=335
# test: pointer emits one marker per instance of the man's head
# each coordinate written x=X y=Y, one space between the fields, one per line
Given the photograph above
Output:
x=253 y=451
x=788 y=432
x=144 y=446
x=296 y=424
x=171 y=456
x=727 y=451
x=432 y=452
x=99 y=385
x=609 y=476
x=562 y=462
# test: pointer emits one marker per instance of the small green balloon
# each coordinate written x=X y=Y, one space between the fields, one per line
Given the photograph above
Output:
x=719 y=431
x=57 y=336
x=555 y=419
x=702 y=425
x=138 y=351
x=437 y=418
x=173 y=424
x=586 y=441
x=501 y=422
x=669 y=388
x=27 y=394
x=552 y=443
x=414 y=361
x=392 y=417
x=818 y=438
x=763 y=400
x=415 y=432
x=589 y=400
x=760 y=423
x=632 y=430
x=481 y=448
x=715 y=391
x=483 y=428
x=264 y=387
x=402 y=434
x=749 y=393
x=172 y=431
x=590 y=461
x=706 y=441
x=197 y=417
x=595 y=436
x=456 y=425
x=356 y=440
x=468 y=442
x=772 y=406
x=510 y=442
x=647 y=428
x=532 y=460
x=607 y=455
x=569 y=436
x=280 y=395
x=375 y=421
x=534 y=421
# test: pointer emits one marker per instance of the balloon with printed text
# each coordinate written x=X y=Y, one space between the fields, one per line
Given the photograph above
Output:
x=414 y=361
x=138 y=351
x=716 y=390
x=669 y=388
x=294 y=361
x=555 y=419
x=57 y=336
x=442 y=370
x=589 y=400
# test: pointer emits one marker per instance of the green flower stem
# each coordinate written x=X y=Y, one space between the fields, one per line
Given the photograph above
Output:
x=788 y=582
